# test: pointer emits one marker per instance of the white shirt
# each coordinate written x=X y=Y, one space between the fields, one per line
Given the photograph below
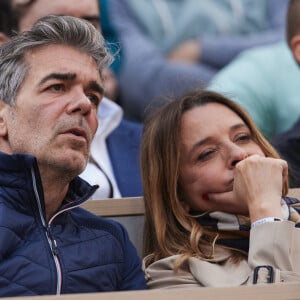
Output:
x=110 y=115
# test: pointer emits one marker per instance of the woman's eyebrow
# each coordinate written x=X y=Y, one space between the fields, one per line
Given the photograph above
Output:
x=210 y=138
x=238 y=126
x=200 y=143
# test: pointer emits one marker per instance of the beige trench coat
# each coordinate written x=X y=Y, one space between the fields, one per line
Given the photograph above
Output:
x=274 y=256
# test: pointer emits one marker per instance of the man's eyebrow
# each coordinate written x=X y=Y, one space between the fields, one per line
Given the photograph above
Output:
x=95 y=86
x=59 y=76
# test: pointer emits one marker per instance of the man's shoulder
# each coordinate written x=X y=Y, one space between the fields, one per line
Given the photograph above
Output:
x=266 y=53
x=262 y=57
x=253 y=68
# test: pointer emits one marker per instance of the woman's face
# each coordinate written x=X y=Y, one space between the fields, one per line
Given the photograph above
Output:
x=213 y=140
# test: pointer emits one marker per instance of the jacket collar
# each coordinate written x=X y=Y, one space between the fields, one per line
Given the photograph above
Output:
x=20 y=183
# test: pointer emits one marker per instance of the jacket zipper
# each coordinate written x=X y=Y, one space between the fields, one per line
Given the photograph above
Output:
x=51 y=241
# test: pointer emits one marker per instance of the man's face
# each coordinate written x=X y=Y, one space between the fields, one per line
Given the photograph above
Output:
x=55 y=114
x=84 y=9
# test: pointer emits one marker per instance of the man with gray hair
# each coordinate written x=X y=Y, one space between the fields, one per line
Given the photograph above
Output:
x=114 y=156
x=50 y=88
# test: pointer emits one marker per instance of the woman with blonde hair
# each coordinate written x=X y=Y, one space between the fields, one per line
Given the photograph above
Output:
x=215 y=196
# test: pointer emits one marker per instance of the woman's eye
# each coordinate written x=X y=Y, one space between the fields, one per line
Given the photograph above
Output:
x=205 y=155
x=243 y=137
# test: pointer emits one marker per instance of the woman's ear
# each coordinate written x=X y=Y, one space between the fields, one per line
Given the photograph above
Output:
x=3 y=119
x=295 y=47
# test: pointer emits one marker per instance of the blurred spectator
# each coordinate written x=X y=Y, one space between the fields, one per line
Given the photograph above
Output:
x=170 y=46
x=288 y=142
x=288 y=145
x=265 y=81
x=114 y=163
x=7 y=21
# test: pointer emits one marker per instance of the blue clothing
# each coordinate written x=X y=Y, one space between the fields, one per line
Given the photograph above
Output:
x=264 y=81
x=288 y=145
x=223 y=27
x=144 y=72
x=76 y=252
x=124 y=147
x=114 y=164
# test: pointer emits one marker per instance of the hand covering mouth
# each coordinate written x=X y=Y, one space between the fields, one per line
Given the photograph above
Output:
x=227 y=189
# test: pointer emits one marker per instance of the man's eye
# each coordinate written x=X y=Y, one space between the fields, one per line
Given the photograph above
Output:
x=56 y=87
x=94 y=99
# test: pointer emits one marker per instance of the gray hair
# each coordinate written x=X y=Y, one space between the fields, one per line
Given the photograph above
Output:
x=50 y=30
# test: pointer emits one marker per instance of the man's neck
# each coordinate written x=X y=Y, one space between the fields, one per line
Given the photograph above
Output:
x=53 y=200
x=55 y=188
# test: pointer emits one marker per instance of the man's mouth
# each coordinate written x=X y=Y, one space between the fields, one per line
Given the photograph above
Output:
x=78 y=132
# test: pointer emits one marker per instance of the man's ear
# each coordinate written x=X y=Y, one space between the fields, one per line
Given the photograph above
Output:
x=3 y=118
x=295 y=47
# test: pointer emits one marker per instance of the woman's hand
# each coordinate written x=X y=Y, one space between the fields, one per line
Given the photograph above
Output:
x=258 y=183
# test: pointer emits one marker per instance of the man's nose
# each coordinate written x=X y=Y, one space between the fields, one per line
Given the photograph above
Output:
x=79 y=103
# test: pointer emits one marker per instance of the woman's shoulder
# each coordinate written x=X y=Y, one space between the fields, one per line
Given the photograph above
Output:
x=197 y=272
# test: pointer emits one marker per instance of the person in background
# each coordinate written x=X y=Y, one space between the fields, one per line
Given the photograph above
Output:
x=7 y=21
x=168 y=47
x=216 y=211
x=288 y=142
x=114 y=161
x=50 y=90
x=265 y=82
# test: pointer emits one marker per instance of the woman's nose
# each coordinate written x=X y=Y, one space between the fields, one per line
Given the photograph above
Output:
x=236 y=155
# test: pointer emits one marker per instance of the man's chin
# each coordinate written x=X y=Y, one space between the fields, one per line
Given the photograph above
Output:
x=72 y=164
x=76 y=166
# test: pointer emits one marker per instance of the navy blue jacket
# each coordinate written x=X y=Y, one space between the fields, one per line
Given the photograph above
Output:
x=124 y=150
x=75 y=252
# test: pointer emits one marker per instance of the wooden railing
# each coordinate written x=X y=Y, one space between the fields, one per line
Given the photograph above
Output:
x=258 y=292
x=116 y=207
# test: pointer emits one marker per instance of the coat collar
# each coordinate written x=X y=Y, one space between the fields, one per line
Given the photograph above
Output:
x=20 y=183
